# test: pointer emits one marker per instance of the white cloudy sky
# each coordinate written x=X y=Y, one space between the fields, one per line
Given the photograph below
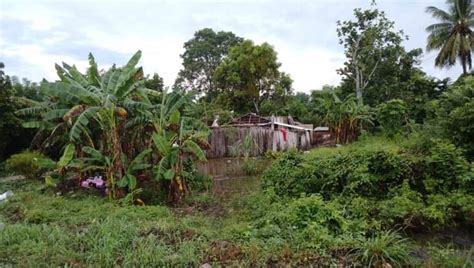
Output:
x=36 y=34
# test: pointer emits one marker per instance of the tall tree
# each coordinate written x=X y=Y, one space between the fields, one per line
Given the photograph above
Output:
x=8 y=120
x=250 y=75
x=366 y=41
x=13 y=138
x=203 y=53
x=452 y=35
x=155 y=82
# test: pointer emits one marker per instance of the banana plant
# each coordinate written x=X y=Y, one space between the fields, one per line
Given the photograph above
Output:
x=92 y=110
x=345 y=117
x=59 y=166
x=97 y=161
x=175 y=138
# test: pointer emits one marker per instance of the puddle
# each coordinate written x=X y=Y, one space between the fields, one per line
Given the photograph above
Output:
x=229 y=178
x=235 y=186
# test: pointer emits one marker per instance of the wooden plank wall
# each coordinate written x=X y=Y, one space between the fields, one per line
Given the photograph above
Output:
x=227 y=141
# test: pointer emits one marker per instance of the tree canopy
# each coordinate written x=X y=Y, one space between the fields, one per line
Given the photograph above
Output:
x=369 y=41
x=203 y=53
x=250 y=75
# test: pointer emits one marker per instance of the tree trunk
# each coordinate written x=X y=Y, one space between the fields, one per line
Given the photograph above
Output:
x=464 y=67
x=256 y=107
x=358 y=86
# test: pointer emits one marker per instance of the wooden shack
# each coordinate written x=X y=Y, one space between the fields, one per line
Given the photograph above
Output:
x=266 y=133
x=322 y=137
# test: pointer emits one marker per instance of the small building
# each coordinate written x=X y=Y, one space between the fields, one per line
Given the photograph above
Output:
x=322 y=137
x=274 y=133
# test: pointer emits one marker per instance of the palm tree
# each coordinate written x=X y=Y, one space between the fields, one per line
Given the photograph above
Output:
x=452 y=36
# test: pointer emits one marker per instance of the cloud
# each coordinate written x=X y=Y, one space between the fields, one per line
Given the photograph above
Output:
x=36 y=34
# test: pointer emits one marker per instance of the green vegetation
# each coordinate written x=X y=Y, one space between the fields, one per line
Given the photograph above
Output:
x=282 y=224
x=452 y=36
x=24 y=164
x=396 y=190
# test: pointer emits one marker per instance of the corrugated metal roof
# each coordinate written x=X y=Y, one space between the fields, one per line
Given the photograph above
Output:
x=250 y=119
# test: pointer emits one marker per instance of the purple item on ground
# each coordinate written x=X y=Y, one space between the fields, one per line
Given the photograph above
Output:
x=96 y=182
x=85 y=184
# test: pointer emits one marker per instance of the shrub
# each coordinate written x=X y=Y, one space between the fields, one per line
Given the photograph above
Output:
x=250 y=166
x=404 y=207
x=447 y=168
x=455 y=114
x=23 y=164
x=389 y=169
x=439 y=210
x=357 y=172
x=306 y=211
x=286 y=175
x=392 y=116
x=309 y=217
x=382 y=249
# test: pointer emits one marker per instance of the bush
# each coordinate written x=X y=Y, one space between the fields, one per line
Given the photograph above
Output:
x=286 y=175
x=382 y=249
x=405 y=187
x=404 y=207
x=455 y=114
x=311 y=210
x=23 y=164
x=309 y=221
x=352 y=173
x=392 y=117
x=250 y=166
x=447 y=168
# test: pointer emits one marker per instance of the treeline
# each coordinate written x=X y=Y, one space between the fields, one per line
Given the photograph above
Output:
x=225 y=76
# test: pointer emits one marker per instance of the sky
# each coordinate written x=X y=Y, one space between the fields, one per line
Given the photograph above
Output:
x=34 y=35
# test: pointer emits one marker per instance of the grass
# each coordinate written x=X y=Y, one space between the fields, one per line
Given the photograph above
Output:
x=372 y=143
x=42 y=228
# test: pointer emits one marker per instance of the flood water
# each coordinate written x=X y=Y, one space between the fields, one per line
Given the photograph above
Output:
x=222 y=168
x=229 y=178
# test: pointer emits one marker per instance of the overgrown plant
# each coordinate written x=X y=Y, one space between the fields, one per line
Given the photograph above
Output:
x=392 y=117
x=345 y=118
x=386 y=249
x=97 y=112
x=245 y=148
x=175 y=138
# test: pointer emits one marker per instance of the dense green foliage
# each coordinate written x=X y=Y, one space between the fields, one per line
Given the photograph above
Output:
x=13 y=138
x=402 y=169
x=397 y=187
x=203 y=54
x=250 y=75
x=392 y=116
x=254 y=228
x=454 y=114
x=24 y=164
x=108 y=122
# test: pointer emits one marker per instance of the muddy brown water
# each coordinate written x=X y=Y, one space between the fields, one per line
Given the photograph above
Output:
x=229 y=178
x=223 y=168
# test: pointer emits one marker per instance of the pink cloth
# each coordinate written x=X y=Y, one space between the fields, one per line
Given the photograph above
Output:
x=96 y=182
